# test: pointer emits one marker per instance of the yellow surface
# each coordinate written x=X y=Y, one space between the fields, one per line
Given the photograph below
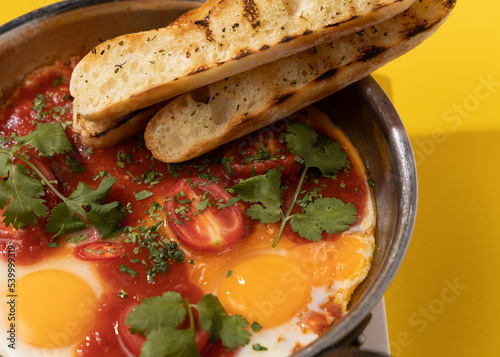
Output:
x=444 y=300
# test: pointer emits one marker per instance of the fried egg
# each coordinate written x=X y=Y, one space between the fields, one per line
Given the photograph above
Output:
x=54 y=303
x=293 y=291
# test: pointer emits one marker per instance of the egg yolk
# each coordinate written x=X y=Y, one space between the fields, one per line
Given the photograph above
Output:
x=55 y=308
x=267 y=289
x=327 y=261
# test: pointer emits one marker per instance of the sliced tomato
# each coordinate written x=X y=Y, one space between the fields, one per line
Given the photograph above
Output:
x=98 y=251
x=255 y=154
x=133 y=341
x=196 y=212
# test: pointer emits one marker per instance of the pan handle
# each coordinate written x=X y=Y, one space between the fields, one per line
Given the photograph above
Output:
x=349 y=345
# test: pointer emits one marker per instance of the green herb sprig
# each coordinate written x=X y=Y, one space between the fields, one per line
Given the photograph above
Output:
x=159 y=318
x=21 y=193
x=322 y=214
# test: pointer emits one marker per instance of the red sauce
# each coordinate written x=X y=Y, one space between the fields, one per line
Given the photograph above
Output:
x=45 y=97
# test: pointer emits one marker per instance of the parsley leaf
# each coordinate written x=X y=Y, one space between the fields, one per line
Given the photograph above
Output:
x=230 y=329
x=318 y=214
x=21 y=193
x=48 y=139
x=86 y=203
x=315 y=150
x=211 y=315
x=23 y=206
x=168 y=341
x=155 y=312
x=324 y=214
x=159 y=318
x=232 y=333
x=263 y=189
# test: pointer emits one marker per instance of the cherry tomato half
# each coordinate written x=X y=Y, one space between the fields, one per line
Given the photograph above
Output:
x=98 y=251
x=133 y=341
x=257 y=153
x=196 y=212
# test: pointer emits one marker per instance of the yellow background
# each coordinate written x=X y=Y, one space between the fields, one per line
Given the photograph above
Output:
x=444 y=300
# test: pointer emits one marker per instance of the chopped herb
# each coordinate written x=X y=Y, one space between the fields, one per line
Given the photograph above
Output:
x=58 y=80
x=141 y=195
x=258 y=347
x=256 y=327
x=125 y=269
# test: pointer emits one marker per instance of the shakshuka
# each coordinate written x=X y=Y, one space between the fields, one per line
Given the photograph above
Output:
x=255 y=248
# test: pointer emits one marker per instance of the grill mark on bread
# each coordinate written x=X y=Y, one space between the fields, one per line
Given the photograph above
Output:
x=197 y=70
x=371 y=52
x=119 y=123
x=354 y=17
x=326 y=75
x=415 y=30
x=218 y=23
x=243 y=53
x=287 y=38
x=251 y=12
x=282 y=97
x=205 y=23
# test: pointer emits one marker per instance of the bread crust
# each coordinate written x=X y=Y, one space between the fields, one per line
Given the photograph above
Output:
x=218 y=40
x=111 y=132
x=197 y=122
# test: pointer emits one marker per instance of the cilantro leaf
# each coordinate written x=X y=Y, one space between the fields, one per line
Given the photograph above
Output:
x=264 y=189
x=324 y=214
x=300 y=140
x=315 y=150
x=170 y=342
x=211 y=313
x=213 y=318
x=5 y=164
x=24 y=206
x=264 y=215
x=21 y=193
x=63 y=219
x=48 y=139
x=104 y=217
x=327 y=156
x=233 y=333
x=155 y=312
x=160 y=318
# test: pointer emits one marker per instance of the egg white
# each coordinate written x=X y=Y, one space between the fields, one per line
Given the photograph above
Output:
x=283 y=339
x=69 y=264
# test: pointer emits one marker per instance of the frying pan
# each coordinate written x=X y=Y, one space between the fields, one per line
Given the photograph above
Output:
x=362 y=110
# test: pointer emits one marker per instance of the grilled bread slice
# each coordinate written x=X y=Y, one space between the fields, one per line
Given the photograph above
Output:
x=220 y=39
x=200 y=120
x=111 y=132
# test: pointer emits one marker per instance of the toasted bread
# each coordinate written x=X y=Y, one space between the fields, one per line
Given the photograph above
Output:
x=200 y=120
x=220 y=39
x=111 y=132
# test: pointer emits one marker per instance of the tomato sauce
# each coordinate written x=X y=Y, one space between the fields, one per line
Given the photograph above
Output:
x=142 y=182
